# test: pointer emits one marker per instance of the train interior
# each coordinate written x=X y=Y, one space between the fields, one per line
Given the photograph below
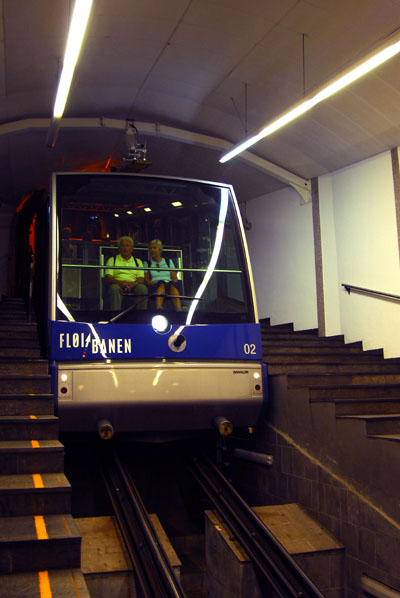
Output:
x=196 y=223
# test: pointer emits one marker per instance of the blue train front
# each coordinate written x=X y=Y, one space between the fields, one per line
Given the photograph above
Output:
x=186 y=352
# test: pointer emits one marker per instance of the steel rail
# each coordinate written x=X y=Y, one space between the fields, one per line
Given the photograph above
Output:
x=154 y=572
x=269 y=556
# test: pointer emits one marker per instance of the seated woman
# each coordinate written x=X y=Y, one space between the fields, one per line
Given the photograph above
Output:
x=161 y=281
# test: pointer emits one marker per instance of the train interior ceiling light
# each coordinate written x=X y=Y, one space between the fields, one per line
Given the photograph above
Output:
x=384 y=52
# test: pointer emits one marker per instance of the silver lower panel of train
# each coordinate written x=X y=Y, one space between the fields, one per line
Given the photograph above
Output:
x=156 y=396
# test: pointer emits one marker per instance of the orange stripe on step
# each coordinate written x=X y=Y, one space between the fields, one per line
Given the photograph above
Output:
x=44 y=585
x=35 y=444
x=33 y=416
x=41 y=530
x=66 y=525
x=37 y=480
x=78 y=594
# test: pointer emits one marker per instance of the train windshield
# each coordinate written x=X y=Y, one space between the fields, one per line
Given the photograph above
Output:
x=132 y=245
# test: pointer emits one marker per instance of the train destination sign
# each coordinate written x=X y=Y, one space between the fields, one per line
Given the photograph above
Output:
x=76 y=341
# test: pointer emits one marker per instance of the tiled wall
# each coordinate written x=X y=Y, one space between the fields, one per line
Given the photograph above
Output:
x=372 y=540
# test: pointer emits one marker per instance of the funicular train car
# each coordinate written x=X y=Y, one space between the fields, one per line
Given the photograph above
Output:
x=146 y=367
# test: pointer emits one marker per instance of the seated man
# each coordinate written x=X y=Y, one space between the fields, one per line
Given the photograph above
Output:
x=125 y=281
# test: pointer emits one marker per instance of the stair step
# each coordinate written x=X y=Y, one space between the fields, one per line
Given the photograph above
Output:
x=304 y=349
x=16 y=342
x=370 y=406
x=319 y=357
x=278 y=327
x=27 y=333
x=384 y=423
x=333 y=368
x=34 y=494
x=39 y=543
x=23 y=366
x=34 y=456
x=12 y=306
x=13 y=314
x=282 y=333
x=23 y=404
x=306 y=336
x=371 y=391
x=25 y=326
x=18 y=384
x=316 y=343
x=63 y=583
x=28 y=427
x=392 y=437
x=20 y=352
x=302 y=380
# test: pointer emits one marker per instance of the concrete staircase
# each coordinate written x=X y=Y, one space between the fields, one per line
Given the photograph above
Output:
x=40 y=545
x=362 y=385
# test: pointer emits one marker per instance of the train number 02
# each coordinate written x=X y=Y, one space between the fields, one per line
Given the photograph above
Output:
x=249 y=349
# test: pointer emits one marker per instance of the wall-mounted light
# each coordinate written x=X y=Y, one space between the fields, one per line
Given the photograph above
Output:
x=385 y=51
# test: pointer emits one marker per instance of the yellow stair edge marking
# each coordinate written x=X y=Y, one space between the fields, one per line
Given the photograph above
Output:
x=33 y=417
x=41 y=530
x=78 y=594
x=35 y=444
x=44 y=585
x=66 y=525
x=37 y=480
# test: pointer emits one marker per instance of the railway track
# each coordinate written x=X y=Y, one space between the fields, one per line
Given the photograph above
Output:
x=154 y=575
x=277 y=572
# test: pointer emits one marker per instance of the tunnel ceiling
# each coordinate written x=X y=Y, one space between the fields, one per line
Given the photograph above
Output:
x=213 y=67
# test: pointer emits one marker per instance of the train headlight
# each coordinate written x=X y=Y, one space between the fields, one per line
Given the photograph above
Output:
x=65 y=385
x=160 y=324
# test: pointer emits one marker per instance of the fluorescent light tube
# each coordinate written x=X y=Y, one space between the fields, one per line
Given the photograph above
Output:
x=77 y=30
x=321 y=94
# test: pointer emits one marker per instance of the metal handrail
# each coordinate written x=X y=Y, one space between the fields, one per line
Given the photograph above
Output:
x=105 y=267
x=350 y=287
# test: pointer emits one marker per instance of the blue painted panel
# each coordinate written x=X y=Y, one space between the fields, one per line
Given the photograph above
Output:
x=79 y=341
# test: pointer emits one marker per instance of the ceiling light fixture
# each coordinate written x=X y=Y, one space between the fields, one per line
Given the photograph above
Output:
x=79 y=21
x=362 y=67
x=176 y=204
x=77 y=30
